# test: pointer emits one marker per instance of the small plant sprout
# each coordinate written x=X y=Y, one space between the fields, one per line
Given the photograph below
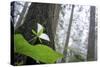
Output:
x=39 y=34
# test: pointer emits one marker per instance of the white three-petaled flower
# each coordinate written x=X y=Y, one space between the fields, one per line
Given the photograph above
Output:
x=40 y=33
x=43 y=35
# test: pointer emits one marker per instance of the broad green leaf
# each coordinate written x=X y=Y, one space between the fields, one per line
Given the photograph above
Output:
x=34 y=32
x=38 y=52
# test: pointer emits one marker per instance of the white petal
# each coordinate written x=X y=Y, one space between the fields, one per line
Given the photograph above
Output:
x=44 y=36
x=39 y=27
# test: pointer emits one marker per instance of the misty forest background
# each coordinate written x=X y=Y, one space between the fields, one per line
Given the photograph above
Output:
x=72 y=29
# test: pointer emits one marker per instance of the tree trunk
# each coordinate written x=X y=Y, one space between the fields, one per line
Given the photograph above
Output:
x=22 y=16
x=91 y=39
x=68 y=35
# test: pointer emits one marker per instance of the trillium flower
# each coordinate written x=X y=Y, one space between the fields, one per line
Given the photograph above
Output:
x=39 y=34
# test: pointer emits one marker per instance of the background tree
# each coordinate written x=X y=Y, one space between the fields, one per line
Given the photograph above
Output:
x=68 y=34
x=91 y=39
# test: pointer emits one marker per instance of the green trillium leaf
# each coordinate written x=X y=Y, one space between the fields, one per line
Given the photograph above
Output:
x=38 y=52
x=34 y=32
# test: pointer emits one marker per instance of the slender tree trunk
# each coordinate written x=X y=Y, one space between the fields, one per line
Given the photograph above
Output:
x=91 y=39
x=22 y=16
x=68 y=35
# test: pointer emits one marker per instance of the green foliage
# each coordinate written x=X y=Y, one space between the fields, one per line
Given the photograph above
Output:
x=76 y=55
x=34 y=32
x=79 y=57
x=38 y=52
x=37 y=34
x=76 y=58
